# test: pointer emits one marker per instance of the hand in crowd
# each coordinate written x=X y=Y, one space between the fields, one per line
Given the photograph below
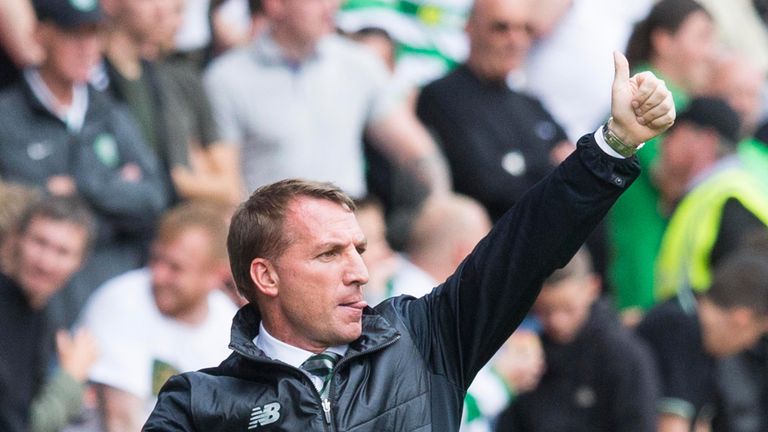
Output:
x=521 y=361
x=77 y=352
x=561 y=151
x=61 y=185
x=641 y=106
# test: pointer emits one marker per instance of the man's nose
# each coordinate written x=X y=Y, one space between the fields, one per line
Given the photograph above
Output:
x=356 y=272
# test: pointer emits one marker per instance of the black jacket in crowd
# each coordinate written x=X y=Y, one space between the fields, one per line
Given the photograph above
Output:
x=415 y=359
x=602 y=381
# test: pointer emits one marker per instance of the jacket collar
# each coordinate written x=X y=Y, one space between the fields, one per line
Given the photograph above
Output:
x=97 y=104
x=377 y=331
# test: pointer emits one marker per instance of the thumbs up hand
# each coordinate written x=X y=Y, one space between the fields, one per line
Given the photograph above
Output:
x=641 y=106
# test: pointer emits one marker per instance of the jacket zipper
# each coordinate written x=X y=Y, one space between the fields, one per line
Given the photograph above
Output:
x=327 y=410
x=326 y=403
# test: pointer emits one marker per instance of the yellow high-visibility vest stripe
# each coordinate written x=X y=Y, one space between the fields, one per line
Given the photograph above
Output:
x=684 y=258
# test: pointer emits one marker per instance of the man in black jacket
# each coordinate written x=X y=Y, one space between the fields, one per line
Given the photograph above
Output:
x=50 y=243
x=598 y=377
x=406 y=364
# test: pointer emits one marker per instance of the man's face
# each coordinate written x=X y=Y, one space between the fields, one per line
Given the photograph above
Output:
x=71 y=54
x=677 y=162
x=563 y=307
x=171 y=18
x=183 y=272
x=727 y=332
x=49 y=253
x=500 y=36
x=306 y=21
x=692 y=49
x=320 y=275
x=740 y=83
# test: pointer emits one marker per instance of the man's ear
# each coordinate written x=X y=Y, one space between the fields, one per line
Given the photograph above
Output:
x=264 y=277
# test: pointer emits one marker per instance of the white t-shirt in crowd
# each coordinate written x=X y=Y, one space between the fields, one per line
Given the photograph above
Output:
x=139 y=348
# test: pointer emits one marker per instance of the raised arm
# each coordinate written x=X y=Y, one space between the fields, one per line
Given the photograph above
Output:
x=463 y=322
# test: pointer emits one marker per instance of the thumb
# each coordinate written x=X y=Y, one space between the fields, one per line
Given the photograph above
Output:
x=621 y=68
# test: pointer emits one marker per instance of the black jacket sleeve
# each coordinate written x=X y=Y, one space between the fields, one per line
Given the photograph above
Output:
x=462 y=323
x=172 y=411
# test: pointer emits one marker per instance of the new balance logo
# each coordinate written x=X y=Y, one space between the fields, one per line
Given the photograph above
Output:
x=262 y=416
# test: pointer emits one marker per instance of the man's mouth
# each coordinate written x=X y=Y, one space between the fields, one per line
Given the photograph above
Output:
x=357 y=304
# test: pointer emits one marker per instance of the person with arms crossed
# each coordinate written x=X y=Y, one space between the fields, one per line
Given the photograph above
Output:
x=309 y=354
x=61 y=135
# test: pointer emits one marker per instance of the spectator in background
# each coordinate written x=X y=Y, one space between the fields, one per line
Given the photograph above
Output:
x=316 y=95
x=169 y=102
x=676 y=42
x=740 y=29
x=213 y=170
x=514 y=370
x=164 y=319
x=50 y=245
x=60 y=135
x=598 y=376
x=498 y=142
x=689 y=335
x=737 y=80
x=717 y=202
x=444 y=231
x=719 y=205
x=18 y=47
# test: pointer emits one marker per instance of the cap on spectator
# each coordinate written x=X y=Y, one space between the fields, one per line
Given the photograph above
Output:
x=69 y=13
x=715 y=113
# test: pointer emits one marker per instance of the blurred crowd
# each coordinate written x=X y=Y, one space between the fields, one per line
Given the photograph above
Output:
x=131 y=129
